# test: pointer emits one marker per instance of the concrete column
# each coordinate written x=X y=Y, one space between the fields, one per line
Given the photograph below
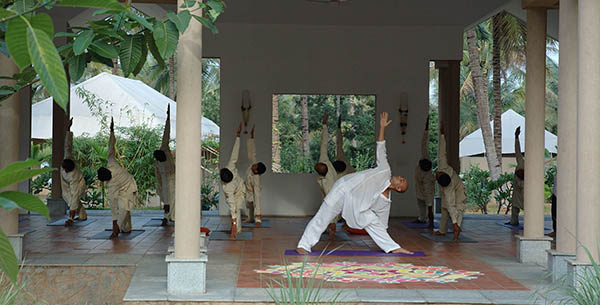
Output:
x=567 y=144
x=449 y=107
x=9 y=141
x=588 y=123
x=531 y=247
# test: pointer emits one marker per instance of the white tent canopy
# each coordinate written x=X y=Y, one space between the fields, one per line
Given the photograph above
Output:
x=129 y=101
x=472 y=144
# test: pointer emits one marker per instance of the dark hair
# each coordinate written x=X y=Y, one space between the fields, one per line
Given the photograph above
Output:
x=339 y=166
x=160 y=155
x=324 y=168
x=444 y=179
x=226 y=175
x=68 y=165
x=425 y=165
x=104 y=174
x=261 y=168
x=520 y=173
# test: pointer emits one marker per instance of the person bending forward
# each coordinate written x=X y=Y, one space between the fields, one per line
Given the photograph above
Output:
x=425 y=181
x=363 y=198
x=233 y=187
x=164 y=171
x=252 y=183
x=72 y=182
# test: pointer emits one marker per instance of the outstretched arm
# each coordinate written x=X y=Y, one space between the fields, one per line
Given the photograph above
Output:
x=112 y=141
x=383 y=124
x=252 y=147
x=236 y=149
x=381 y=151
x=167 y=133
x=324 y=137
x=518 y=154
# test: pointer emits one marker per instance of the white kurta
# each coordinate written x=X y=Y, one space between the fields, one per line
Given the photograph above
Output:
x=234 y=190
x=252 y=183
x=72 y=183
x=326 y=182
x=424 y=180
x=453 y=196
x=518 y=183
x=165 y=174
x=358 y=197
x=121 y=190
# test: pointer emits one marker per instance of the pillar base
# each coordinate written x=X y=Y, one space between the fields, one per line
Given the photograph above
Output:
x=557 y=264
x=18 y=244
x=533 y=250
x=57 y=207
x=186 y=275
x=576 y=272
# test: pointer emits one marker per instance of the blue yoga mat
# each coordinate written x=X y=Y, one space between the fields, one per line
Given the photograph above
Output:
x=355 y=253
x=412 y=225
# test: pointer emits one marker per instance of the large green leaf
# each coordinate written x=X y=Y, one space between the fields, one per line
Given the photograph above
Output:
x=154 y=50
x=104 y=49
x=108 y=4
x=206 y=23
x=165 y=37
x=43 y=22
x=77 y=66
x=48 y=65
x=82 y=41
x=102 y=60
x=26 y=201
x=141 y=20
x=216 y=5
x=181 y=20
x=20 y=6
x=14 y=177
x=19 y=165
x=130 y=52
x=109 y=33
x=8 y=260
x=143 y=57
x=16 y=31
x=5 y=13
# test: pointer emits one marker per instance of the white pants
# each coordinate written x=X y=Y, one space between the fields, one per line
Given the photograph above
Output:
x=328 y=212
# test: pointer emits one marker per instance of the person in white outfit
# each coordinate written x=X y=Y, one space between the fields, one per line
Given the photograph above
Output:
x=234 y=187
x=72 y=182
x=518 y=182
x=425 y=181
x=364 y=200
x=121 y=188
x=252 y=183
x=164 y=170
x=453 y=193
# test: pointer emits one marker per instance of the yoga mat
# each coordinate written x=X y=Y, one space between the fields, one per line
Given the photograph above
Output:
x=355 y=253
x=155 y=222
x=77 y=223
x=448 y=238
x=265 y=224
x=517 y=228
x=125 y=236
x=339 y=236
x=412 y=225
x=224 y=235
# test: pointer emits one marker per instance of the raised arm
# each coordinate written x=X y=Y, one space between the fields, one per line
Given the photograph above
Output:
x=518 y=154
x=425 y=141
x=324 y=137
x=112 y=141
x=236 y=150
x=167 y=132
x=383 y=124
x=381 y=150
x=252 y=147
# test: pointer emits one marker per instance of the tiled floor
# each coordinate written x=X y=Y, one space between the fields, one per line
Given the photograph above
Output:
x=268 y=244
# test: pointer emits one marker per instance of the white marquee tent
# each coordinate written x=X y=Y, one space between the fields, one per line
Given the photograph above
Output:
x=472 y=145
x=129 y=101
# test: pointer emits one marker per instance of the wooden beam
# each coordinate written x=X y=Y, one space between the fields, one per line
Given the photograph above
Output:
x=549 y=4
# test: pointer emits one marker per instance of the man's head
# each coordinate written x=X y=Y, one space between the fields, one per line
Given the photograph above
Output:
x=104 y=174
x=339 y=165
x=398 y=184
x=425 y=165
x=258 y=168
x=520 y=173
x=226 y=175
x=443 y=179
x=160 y=155
x=68 y=165
x=321 y=169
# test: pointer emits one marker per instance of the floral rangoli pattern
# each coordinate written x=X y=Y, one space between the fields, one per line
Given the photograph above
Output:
x=392 y=273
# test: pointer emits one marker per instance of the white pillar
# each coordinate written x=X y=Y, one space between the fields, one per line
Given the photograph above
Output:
x=588 y=124
x=187 y=267
x=9 y=141
x=533 y=245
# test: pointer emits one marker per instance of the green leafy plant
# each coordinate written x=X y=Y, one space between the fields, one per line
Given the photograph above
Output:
x=478 y=188
x=10 y=175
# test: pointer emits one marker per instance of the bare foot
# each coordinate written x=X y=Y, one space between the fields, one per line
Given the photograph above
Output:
x=114 y=235
x=68 y=223
x=551 y=234
x=164 y=222
x=258 y=224
x=402 y=251
x=302 y=251
x=438 y=233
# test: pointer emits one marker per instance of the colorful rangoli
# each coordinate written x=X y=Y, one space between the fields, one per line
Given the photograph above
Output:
x=391 y=273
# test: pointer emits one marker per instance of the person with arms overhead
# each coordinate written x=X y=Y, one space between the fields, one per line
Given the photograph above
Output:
x=72 y=182
x=518 y=182
x=425 y=181
x=252 y=183
x=234 y=187
x=164 y=170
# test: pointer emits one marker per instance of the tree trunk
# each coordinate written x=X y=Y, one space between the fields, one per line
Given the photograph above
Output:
x=276 y=145
x=305 y=146
x=351 y=111
x=172 y=78
x=115 y=68
x=497 y=32
x=483 y=108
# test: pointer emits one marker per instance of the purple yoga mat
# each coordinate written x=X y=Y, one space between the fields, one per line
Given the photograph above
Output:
x=355 y=253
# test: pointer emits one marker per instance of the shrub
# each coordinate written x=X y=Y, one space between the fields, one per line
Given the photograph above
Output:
x=503 y=189
x=477 y=187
